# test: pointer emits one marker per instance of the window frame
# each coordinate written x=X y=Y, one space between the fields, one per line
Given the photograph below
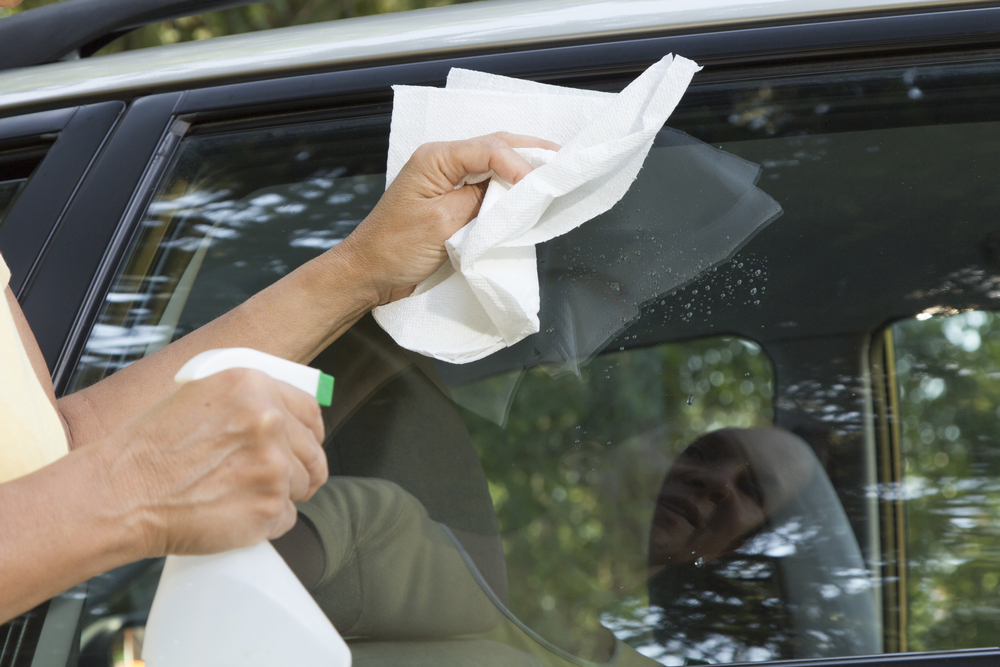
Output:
x=69 y=138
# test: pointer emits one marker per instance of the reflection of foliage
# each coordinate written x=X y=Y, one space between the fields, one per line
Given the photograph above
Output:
x=574 y=473
x=259 y=16
x=730 y=610
x=948 y=372
x=223 y=227
x=797 y=589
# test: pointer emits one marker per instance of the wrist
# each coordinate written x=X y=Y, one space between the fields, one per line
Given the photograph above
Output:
x=347 y=273
x=115 y=490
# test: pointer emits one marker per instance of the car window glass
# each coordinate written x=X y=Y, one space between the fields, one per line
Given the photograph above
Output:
x=948 y=374
x=705 y=480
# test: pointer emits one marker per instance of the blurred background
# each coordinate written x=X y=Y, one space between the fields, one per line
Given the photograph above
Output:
x=259 y=16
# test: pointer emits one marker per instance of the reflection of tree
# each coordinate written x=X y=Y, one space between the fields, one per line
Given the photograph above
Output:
x=948 y=371
x=798 y=589
x=729 y=610
x=573 y=472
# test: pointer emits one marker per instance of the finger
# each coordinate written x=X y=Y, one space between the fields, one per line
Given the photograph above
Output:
x=285 y=521
x=308 y=462
x=462 y=205
x=303 y=407
x=509 y=165
x=526 y=141
x=481 y=155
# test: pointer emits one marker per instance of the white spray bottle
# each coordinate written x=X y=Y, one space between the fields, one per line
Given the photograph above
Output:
x=242 y=608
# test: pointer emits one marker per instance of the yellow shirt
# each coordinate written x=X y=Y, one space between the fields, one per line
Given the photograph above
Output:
x=31 y=433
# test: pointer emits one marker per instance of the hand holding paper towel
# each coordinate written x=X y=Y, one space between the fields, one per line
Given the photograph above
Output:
x=486 y=297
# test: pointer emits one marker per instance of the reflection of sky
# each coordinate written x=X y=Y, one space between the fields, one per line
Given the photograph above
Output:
x=314 y=214
x=963 y=330
x=116 y=340
x=835 y=404
x=320 y=211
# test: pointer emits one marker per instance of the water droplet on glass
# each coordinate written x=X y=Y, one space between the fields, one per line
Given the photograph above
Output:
x=700 y=562
x=753 y=290
x=690 y=399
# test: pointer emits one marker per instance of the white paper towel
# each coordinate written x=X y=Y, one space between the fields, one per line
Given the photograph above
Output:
x=486 y=297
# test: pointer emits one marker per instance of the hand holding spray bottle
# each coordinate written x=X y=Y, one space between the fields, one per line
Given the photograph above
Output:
x=244 y=607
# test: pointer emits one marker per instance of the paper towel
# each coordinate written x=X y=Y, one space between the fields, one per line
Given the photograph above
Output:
x=692 y=209
x=486 y=297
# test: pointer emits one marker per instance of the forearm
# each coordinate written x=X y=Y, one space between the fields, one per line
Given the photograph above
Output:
x=399 y=245
x=59 y=526
x=295 y=319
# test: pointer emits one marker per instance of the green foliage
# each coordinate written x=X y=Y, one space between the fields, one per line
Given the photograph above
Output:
x=259 y=16
x=575 y=471
x=948 y=371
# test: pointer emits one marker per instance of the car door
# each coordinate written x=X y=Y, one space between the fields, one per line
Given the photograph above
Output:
x=541 y=468
x=44 y=157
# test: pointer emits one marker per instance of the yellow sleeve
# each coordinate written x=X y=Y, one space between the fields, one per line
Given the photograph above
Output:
x=32 y=435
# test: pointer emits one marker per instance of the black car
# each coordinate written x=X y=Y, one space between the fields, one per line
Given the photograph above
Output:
x=854 y=341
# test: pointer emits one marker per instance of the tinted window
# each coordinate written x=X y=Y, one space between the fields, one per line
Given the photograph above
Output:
x=705 y=472
x=948 y=373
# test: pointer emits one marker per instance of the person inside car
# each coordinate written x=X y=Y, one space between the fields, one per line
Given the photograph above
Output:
x=134 y=467
x=383 y=570
x=721 y=490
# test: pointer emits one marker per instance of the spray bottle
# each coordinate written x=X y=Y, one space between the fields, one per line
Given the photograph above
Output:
x=245 y=607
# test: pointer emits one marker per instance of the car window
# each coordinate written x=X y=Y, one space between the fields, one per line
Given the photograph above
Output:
x=673 y=470
x=947 y=370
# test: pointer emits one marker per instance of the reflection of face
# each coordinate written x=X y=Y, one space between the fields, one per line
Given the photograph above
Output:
x=9 y=3
x=721 y=488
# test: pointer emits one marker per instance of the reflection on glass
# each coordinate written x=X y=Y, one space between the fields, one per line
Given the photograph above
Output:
x=573 y=471
x=749 y=509
x=948 y=372
x=551 y=552
x=753 y=557
x=236 y=213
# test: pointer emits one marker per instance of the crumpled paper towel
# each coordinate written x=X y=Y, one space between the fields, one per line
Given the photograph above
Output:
x=486 y=297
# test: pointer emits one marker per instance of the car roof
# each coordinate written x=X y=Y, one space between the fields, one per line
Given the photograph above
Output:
x=420 y=34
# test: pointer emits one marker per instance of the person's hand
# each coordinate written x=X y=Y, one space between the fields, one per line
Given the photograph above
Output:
x=401 y=242
x=216 y=465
